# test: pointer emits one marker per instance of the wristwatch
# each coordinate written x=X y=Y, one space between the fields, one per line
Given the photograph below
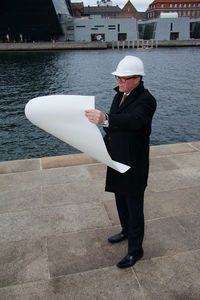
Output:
x=106 y=122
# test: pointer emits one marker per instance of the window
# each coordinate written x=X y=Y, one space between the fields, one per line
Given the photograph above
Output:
x=162 y=5
x=122 y=36
x=180 y=5
x=188 y=13
x=97 y=37
x=111 y=27
x=175 y=5
x=179 y=13
x=194 y=5
x=198 y=13
x=170 y=5
x=184 y=5
x=174 y=35
x=199 y=5
x=193 y=13
x=171 y=27
x=184 y=13
x=189 y=5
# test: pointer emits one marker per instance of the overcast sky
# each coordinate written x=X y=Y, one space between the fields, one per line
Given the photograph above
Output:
x=140 y=5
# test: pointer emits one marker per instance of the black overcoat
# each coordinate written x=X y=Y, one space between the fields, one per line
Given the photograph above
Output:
x=127 y=140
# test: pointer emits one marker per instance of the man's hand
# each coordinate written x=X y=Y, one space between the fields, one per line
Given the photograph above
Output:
x=95 y=116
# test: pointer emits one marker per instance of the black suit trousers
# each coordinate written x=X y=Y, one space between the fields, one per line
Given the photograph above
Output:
x=131 y=215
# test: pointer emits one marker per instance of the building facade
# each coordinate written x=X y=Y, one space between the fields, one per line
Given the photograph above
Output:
x=165 y=29
x=103 y=30
x=33 y=20
x=87 y=30
x=184 y=8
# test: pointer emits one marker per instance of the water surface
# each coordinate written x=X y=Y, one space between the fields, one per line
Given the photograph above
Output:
x=172 y=76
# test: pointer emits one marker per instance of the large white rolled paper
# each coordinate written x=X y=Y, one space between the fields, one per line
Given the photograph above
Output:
x=64 y=117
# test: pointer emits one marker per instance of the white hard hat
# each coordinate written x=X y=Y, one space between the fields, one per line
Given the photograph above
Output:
x=129 y=65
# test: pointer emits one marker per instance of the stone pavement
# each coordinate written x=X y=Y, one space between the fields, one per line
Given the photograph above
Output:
x=55 y=219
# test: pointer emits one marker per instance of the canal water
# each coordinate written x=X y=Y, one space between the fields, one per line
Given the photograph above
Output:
x=172 y=76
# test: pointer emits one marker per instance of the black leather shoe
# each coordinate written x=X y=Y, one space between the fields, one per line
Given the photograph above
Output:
x=117 y=238
x=129 y=260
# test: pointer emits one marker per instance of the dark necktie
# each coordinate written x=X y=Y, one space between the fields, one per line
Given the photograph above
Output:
x=123 y=99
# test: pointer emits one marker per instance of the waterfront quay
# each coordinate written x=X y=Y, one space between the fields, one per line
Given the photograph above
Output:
x=55 y=219
x=96 y=45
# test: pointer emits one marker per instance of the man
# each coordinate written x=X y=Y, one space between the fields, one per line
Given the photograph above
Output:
x=128 y=127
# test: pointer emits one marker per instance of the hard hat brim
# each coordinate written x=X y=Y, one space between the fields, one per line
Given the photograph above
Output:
x=126 y=74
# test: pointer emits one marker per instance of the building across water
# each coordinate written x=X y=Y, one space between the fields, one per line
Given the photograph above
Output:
x=46 y=20
x=33 y=20
x=81 y=30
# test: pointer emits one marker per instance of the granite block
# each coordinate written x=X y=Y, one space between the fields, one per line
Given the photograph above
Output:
x=170 y=278
x=23 y=261
x=186 y=160
x=64 y=175
x=171 y=203
x=97 y=171
x=20 y=180
x=167 y=236
x=174 y=179
x=196 y=145
x=66 y=160
x=111 y=209
x=45 y=177
x=74 y=192
x=51 y=220
x=15 y=166
x=161 y=164
x=107 y=283
x=169 y=149
x=20 y=199
x=83 y=251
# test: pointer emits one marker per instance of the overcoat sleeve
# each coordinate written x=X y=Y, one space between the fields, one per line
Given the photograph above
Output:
x=136 y=119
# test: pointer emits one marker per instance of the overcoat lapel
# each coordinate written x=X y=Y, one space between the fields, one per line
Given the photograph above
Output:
x=130 y=99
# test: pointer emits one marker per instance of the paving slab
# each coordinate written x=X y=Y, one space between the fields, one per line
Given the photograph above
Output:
x=172 y=203
x=23 y=261
x=55 y=219
x=170 y=149
x=173 y=277
x=66 y=161
x=19 y=180
x=196 y=145
x=162 y=164
x=73 y=253
x=43 y=177
x=186 y=160
x=162 y=204
x=20 y=199
x=106 y=283
x=74 y=192
x=51 y=220
x=167 y=236
x=15 y=166
x=174 y=179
